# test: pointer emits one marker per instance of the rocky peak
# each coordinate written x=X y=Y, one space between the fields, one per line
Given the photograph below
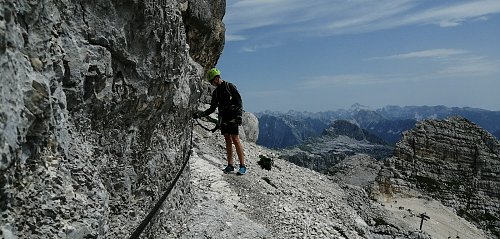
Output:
x=452 y=160
x=351 y=130
x=356 y=107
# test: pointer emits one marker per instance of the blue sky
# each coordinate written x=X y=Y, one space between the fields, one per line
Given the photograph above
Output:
x=320 y=55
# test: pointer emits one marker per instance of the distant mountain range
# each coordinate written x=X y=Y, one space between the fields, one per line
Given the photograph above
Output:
x=339 y=141
x=281 y=130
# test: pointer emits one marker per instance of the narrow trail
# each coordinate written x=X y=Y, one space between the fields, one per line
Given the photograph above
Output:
x=217 y=212
x=262 y=203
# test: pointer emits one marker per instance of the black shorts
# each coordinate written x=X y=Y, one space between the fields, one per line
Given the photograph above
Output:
x=229 y=128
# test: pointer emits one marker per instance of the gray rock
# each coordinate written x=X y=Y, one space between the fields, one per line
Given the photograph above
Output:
x=359 y=170
x=250 y=127
x=95 y=97
x=452 y=160
x=337 y=143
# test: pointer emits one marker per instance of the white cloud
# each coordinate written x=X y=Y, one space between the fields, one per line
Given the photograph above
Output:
x=365 y=16
x=462 y=67
x=235 y=38
x=433 y=53
x=452 y=62
x=470 y=67
x=250 y=14
x=260 y=46
x=326 y=17
x=268 y=93
x=456 y=14
x=337 y=80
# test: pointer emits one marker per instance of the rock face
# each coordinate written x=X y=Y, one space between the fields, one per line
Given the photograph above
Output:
x=359 y=170
x=452 y=160
x=250 y=127
x=94 y=104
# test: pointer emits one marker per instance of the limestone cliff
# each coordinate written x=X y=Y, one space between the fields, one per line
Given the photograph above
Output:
x=452 y=160
x=95 y=96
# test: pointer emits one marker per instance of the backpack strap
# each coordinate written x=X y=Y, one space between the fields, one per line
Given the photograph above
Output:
x=229 y=91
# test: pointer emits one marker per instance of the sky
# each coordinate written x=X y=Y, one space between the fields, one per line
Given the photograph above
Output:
x=321 y=55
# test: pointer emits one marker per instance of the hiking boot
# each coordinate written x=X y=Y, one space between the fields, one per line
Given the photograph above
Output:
x=243 y=170
x=229 y=168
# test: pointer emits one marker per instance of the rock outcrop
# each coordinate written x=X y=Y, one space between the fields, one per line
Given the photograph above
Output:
x=452 y=160
x=250 y=127
x=358 y=170
x=344 y=127
x=94 y=104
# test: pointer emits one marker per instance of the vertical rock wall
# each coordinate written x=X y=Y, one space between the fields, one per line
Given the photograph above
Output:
x=95 y=102
x=452 y=160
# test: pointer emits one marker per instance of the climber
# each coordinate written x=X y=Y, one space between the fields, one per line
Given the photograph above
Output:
x=228 y=100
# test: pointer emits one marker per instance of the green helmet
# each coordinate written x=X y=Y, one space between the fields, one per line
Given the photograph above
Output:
x=213 y=73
